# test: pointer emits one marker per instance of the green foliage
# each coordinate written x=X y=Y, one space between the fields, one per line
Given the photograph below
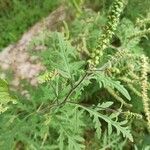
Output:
x=108 y=82
x=75 y=106
x=109 y=119
x=111 y=141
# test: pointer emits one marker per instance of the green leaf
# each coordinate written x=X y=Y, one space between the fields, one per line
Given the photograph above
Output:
x=106 y=104
x=108 y=82
x=5 y=97
x=70 y=125
x=120 y=126
x=111 y=142
x=121 y=89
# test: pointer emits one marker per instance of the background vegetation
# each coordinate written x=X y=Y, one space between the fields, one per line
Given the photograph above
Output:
x=16 y=16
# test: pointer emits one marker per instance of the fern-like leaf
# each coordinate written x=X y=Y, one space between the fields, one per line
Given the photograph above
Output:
x=120 y=126
x=5 y=97
x=108 y=82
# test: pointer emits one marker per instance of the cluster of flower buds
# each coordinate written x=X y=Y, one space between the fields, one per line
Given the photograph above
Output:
x=47 y=76
x=140 y=34
x=104 y=40
x=131 y=115
x=142 y=22
x=144 y=86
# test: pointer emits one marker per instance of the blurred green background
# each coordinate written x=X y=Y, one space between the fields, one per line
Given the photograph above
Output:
x=16 y=16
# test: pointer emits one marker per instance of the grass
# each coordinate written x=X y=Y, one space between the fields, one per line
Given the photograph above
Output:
x=16 y=16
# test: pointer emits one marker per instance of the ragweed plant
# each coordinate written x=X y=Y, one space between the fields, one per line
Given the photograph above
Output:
x=77 y=106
